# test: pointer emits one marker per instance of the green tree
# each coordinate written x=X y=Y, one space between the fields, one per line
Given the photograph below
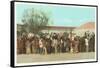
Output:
x=34 y=20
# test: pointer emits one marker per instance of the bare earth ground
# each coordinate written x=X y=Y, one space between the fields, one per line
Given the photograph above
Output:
x=25 y=58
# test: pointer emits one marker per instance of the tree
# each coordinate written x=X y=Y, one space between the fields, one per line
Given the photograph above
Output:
x=34 y=20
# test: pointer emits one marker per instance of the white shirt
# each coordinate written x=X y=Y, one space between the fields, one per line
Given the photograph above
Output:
x=86 y=42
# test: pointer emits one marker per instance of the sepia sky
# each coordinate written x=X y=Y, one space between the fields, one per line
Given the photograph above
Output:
x=63 y=15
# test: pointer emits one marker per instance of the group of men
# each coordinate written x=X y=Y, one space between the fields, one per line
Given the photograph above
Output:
x=49 y=43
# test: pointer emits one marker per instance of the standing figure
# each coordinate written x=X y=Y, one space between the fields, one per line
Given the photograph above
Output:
x=40 y=46
x=87 y=44
x=54 y=45
x=72 y=44
x=19 y=46
x=28 y=47
x=33 y=46
x=48 y=45
x=61 y=45
x=76 y=44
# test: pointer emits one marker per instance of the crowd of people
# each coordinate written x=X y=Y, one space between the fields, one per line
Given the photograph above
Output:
x=48 y=43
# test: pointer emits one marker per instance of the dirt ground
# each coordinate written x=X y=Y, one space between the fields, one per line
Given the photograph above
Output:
x=25 y=58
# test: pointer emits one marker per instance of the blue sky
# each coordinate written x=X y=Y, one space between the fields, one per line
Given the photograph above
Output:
x=59 y=15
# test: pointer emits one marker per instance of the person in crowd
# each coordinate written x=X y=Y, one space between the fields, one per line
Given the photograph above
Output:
x=76 y=44
x=87 y=44
x=28 y=47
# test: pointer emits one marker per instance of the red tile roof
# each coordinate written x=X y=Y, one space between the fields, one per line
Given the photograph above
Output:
x=88 y=25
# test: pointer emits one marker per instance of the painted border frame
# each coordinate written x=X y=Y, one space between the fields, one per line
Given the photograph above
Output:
x=12 y=34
